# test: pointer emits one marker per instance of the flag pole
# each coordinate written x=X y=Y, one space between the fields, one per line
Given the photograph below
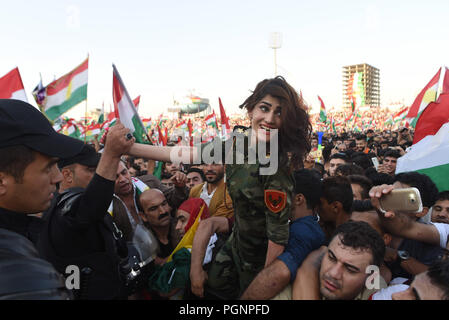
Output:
x=85 y=109
x=129 y=99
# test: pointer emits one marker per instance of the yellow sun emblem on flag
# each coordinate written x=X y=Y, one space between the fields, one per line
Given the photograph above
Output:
x=69 y=91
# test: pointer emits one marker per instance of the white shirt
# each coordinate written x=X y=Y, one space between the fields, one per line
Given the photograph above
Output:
x=206 y=196
x=385 y=294
x=443 y=230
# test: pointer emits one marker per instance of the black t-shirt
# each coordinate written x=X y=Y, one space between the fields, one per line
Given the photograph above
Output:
x=423 y=252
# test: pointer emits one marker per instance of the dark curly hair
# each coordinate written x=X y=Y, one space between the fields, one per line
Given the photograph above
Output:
x=296 y=129
x=360 y=235
x=425 y=185
x=439 y=276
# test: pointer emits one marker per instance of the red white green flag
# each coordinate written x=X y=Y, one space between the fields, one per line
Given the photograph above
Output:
x=211 y=120
x=66 y=92
x=225 y=128
x=323 y=115
x=182 y=125
x=429 y=153
x=125 y=109
x=426 y=96
x=71 y=129
x=136 y=102
x=401 y=114
x=11 y=86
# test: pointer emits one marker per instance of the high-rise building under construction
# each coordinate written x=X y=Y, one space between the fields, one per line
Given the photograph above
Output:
x=361 y=86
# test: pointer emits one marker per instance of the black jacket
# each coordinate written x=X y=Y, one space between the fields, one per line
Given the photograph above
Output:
x=21 y=223
x=79 y=231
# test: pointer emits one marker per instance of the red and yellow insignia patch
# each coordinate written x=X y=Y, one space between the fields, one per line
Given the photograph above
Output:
x=275 y=200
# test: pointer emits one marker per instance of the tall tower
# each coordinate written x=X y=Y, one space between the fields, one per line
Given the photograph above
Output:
x=361 y=82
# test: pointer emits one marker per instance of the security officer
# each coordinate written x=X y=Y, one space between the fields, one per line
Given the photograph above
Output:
x=79 y=231
x=29 y=151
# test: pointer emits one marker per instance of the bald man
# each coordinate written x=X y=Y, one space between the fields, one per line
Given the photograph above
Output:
x=156 y=215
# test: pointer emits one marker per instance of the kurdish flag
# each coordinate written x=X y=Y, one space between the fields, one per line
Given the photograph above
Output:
x=182 y=125
x=400 y=115
x=426 y=96
x=91 y=131
x=66 y=92
x=225 y=128
x=11 y=86
x=429 y=153
x=323 y=115
x=125 y=109
x=136 y=102
x=211 y=120
x=71 y=129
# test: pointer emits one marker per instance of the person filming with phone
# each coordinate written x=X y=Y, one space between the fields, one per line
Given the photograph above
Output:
x=399 y=207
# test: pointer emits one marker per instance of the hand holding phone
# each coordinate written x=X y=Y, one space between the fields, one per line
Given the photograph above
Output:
x=407 y=200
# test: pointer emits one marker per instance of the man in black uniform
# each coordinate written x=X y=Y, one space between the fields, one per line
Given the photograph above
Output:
x=79 y=231
x=29 y=151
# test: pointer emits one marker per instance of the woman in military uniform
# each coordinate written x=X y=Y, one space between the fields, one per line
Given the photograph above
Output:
x=261 y=203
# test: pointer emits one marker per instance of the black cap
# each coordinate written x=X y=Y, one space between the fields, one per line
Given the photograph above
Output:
x=403 y=129
x=87 y=157
x=23 y=124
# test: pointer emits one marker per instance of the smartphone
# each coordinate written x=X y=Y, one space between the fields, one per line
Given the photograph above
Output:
x=407 y=200
x=375 y=162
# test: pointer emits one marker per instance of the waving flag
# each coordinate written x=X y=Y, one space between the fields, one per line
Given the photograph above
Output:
x=91 y=131
x=182 y=125
x=211 y=120
x=66 y=92
x=11 y=86
x=190 y=126
x=429 y=153
x=136 y=102
x=401 y=114
x=125 y=109
x=323 y=116
x=225 y=128
x=426 y=96
x=71 y=129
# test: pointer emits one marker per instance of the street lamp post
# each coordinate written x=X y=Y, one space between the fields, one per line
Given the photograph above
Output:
x=275 y=43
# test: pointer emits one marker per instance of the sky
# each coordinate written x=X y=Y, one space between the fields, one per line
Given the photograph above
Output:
x=166 y=49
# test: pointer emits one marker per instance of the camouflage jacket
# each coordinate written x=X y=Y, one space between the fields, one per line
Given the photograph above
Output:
x=262 y=203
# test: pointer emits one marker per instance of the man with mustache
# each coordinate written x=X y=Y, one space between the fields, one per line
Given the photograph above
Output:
x=156 y=215
x=213 y=192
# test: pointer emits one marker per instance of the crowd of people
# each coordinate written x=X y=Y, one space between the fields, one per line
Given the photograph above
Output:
x=315 y=229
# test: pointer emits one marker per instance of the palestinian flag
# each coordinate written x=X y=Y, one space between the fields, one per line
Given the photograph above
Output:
x=125 y=109
x=66 y=92
x=11 y=86
x=323 y=115
x=429 y=153
x=426 y=96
